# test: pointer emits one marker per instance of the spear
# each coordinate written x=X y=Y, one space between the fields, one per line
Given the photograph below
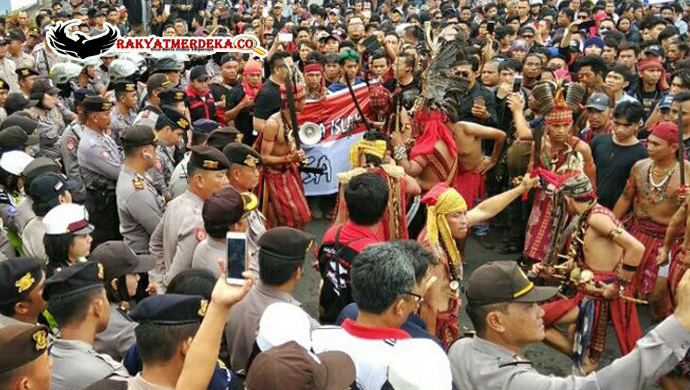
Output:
x=681 y=145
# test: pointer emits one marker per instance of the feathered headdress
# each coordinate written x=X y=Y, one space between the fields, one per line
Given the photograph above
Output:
x=557 y=100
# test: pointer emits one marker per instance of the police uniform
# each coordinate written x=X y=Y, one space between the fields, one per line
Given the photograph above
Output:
x=287 y=244
x=76 y=364
x=100 y=163
x=8 y=70
x=118 y=260
x=69 y=144
x=149 y=114
x=23 y=60
x=238 y=153
x=162 y=171
x=18 y=278
x=51 y=123
x=25 y=212
x=181 y=229
x=139 y=205
x=119 y=122
x=178 y=181
x=222 y=210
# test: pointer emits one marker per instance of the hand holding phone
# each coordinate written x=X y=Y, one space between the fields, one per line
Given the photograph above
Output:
x=517 y=83
x=586 y=25
x=285 y=37
x=236 y=257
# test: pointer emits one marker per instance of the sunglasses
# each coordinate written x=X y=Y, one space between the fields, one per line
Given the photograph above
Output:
x=463 y=74
x=528 y=36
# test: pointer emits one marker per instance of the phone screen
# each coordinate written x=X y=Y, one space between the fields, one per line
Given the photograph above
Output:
x=285 y=37
x=490 y=27
x=517 y=83
x=236 y=259
x=166 y=9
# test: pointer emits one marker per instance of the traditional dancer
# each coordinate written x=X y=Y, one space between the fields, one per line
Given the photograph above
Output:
x=282 y=192
x=603 y=258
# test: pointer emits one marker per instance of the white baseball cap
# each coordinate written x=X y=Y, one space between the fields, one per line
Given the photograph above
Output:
x=283 y=322
x=15 y=161
x=67 y=218
x=406 y=371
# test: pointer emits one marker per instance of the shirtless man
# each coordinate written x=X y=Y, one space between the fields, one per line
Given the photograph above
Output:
x=653 y=192
x=600 y=245
x=282 y=192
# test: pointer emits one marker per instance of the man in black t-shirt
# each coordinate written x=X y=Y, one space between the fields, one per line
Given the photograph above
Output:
x=615 y=154
x=405 y=86
x=268 y=99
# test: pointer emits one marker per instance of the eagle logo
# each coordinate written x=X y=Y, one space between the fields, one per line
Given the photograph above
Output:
x=77 y=45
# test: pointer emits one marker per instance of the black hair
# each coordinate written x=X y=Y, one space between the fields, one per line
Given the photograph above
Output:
x=681 y=97
x=366 y=197
x=119 y=295
x=41 y=208
x=477 y=314
x=131 y=151
x=57 y=250
x=621 y=70
x=277 y=59
x=158 y=344
x=594 y=62
x=194 y=281
x=331 y=58
x=568 y=12
x=274 y=271
x=668 y=32
x=419 y=257
x=633 y=112
x=611 y=42
x=73 y=308
x=510 y=64
x=684 y=75
x=380 y=275
x=627 y=45
x=373 y=135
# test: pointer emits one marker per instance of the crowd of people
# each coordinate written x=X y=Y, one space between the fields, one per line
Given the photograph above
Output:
x=562 y=127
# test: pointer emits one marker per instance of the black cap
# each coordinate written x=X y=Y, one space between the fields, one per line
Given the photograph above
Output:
x=96 y=104
x=14 y=137
x=227 y=58
x=205 y=126
x=170 y=96
x=27 y=123
x=159 y=80
x=174 y=119
x=25 y=72
x=74 y=279
x=138 y=135
x=22 y=343
x=15 y=35
x=4 y=86
x=41 y=87
x=242 y=154
x=286 y=243
x=38 y=166
x=49 y=186
x=18 y=278
x=226 y=207
x=119 y=260
x=208 y=158
x=124 y=86
x=167 y=64
x=223 y=136
x=198 y=72
x=16 y=102
x=170 y=309
x=81 y=94
x=504 y=281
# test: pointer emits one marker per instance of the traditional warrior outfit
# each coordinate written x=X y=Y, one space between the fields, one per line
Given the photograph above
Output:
x=281 y=189
x=443 y=296
x=648 y=232
x=393 y=225
x=675 y=274
x=595 y=311
x=566 y=159
x=315 y=93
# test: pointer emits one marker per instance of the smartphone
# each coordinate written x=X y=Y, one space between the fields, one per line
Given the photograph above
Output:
x=285 y=37
x=587 y=24
x=490 y=27
x=166 y=9
x=371 y=44
x=236 y=257
x=517 y=83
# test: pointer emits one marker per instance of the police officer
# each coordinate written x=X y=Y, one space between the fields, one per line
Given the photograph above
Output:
x=26 y=78
x=77 y=300
x=37 y=167
x=181 y=229
x=25 y=346
x=69 y=144
x=15 y=138
x=198 y=135
x=100 y=163
x=503 y=306
x=121 y=268
x=223 y=212
x=149 y=114
x=170 y=67
x=170 y=127
x=139 y=205
x=51 y=123
x=124 y=114
x=7 y=68
x=243 y=175
x=4 y=90
x=21 y=284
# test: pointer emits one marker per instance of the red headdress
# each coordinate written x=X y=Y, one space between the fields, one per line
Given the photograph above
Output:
x=668 y=131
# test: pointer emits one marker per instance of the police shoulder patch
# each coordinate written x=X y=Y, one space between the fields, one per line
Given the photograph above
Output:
x=200 y=234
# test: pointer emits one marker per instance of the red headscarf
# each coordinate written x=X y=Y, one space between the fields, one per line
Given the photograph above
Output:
x=668 y=131
x=435 y=129
x=654 y=63
x=251 y=68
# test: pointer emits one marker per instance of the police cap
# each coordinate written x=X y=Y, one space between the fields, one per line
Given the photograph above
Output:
x=119 y=260
x=73 y=280
x=14 y=137
x=4 y=86
x=170 y=96
x=25 y=72
x=167 y=64
x=170 y=309
x=226 y=207
x=124 y=86
x=22 y=343
x=174 y=119
x=208 y=158
x=285 y=243
x=138 y=135
x=18 y=278
x=96 y=104
x=223 y=136
x=242 y=154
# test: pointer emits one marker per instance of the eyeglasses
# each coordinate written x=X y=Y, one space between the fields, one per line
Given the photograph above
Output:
x=463 y=74
x=528 y=36
x=583 y=17
x=416 y=297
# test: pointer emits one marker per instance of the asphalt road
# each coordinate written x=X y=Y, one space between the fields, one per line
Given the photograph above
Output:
x=546 y=360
